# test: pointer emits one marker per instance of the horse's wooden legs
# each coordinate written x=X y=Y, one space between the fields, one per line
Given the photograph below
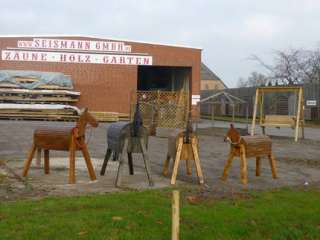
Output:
x=130 y=163
x=120 y=156
x=38 y=161
x=115 y=156
x=197 y=160
x=46 y=161
x=87 y=159
x=105 y=162
x=258 y=166
x=272 y=162
x=27 y=163
x=188 y=167
x=228 y=165
x=176 y=162
x=146 y=161
x=166 y=165
x=243 y=165
x=72 y=162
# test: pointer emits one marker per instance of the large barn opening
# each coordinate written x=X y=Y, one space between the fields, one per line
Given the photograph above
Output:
x=152 y=78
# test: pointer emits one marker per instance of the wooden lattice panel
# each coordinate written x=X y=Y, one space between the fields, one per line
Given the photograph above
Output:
x=162 y=108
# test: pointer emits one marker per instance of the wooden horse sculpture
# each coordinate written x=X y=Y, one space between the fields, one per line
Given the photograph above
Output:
x=248 y=146
x=183 y=146
x=127 y=138
x=63 y=139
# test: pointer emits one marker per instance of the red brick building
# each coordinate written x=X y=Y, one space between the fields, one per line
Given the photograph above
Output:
x=105 y=71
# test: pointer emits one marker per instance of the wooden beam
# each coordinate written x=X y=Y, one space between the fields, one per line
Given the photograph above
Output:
x=302 y=114
x=253 y=125
x=298 y=116
x=176 y=162
x=261 y=108
x=46 y=162
x=38 y=161
x=280 y=89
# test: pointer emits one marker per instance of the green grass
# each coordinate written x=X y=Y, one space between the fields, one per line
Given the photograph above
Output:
x=280 y=214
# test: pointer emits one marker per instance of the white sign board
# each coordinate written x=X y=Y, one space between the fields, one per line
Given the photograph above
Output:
x=311 y=102
x=195 y=99
x=63 y=57
x=84 y=45
x=74 y=51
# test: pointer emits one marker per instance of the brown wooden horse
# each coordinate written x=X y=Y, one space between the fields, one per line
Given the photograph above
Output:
x=248 y=146
x=63 y=138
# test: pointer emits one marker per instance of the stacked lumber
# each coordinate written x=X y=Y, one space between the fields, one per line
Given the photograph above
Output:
x=38 y=112
x=18 y=81
x=30 y=98
x=33 y=98
x=124 y=116
x=110 y=116
x=17 y=95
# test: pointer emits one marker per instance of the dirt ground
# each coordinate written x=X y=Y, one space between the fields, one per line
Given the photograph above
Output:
x=298 y=165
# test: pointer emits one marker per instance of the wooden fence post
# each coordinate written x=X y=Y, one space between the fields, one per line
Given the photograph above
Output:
x=175 y=214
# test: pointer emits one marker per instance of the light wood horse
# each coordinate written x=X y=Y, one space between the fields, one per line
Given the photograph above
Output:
x=63 y=138
x=248 y=146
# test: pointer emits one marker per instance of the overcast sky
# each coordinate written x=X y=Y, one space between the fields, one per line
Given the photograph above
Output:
x=228 y=31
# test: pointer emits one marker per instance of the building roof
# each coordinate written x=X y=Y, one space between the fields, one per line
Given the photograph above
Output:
x=208 y=74
x=95 y=37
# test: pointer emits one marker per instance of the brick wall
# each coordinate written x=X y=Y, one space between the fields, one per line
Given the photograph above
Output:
x=108 y=87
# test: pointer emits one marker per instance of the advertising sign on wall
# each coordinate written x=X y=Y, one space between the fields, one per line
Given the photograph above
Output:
x=74 y=51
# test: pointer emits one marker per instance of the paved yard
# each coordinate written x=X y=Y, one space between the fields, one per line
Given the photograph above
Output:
x=310 y=133
x=298 y=163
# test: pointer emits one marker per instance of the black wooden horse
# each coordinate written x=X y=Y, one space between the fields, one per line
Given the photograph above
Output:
x=127 y=137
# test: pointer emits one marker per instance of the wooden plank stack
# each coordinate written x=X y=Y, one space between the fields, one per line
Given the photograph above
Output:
x=14 y=95
x=38 y=112
x=31 y=80
x=45 y=102
x=110 y=116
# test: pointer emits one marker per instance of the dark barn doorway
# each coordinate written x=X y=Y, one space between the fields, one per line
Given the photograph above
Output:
x=153 y=78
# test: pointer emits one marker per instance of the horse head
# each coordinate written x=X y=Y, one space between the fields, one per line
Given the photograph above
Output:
x=232 y=135
x=90 y=119
x=137 y=121
x=84 y=119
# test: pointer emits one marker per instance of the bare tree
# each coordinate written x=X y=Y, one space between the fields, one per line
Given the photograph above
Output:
x=294 y=66
x=242 y=82
x=254 y=79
